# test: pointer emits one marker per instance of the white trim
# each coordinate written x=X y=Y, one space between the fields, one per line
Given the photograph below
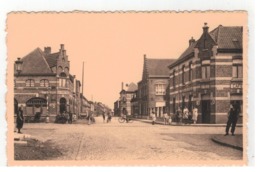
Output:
x=222 y=63
x=221 y=57
x=204 y=62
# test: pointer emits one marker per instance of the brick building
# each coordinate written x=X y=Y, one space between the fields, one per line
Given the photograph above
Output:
x=126 y=96
x=209 y=74
x=152 y=88
x=43 y=84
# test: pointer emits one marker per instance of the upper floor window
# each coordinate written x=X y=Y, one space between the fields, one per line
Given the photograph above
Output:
x=190 y=71
x=173 y=79
x=29 y=83
x=237 y=71
x=183 y=77
x=160 y=89
x=44 y=83
x=205 y=70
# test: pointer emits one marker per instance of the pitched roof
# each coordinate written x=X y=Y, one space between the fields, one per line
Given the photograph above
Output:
x=132 y=87
x=35 y=63
x=158 y=67
x=52 y=59
x=228 y=37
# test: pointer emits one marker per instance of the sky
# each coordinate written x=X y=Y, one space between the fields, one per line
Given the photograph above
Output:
x=111 y=45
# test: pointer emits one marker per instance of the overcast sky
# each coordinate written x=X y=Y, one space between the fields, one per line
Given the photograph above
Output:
x=111 y=44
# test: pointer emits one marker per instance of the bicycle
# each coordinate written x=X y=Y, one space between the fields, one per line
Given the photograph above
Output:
x=124 y=119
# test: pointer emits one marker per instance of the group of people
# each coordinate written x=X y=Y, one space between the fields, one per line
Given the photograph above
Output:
x=181 y=116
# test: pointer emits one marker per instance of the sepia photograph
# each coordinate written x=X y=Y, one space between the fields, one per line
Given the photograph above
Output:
x=127 y=88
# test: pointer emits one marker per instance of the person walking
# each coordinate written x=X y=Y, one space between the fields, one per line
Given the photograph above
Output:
x=195 y=115
x=179 y=115
x=185 y=114
x=153 y=116
x=20 y=119
x=166 y=117
x=232 y=119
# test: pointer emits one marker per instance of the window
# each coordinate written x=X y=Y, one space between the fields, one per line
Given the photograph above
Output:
x=29 y=83
x=173 y=79
x=237 y=71
x=183 y=77
x=190 y=72
x=160 y=89
x=205 y=70
x=44 y=83
x=62 y=82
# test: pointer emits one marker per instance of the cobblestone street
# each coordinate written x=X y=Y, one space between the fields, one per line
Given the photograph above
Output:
x=132 y=141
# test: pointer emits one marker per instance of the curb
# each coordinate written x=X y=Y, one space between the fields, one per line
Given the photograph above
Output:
x=188 y=125
x=226 y=144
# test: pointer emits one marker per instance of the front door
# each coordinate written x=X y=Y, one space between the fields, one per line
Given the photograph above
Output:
x=205 y=110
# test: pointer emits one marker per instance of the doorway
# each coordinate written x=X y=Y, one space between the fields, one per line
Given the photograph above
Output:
x=205 y=111
x=63 y=105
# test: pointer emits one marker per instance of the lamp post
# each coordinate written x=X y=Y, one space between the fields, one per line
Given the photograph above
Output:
x=47 y=98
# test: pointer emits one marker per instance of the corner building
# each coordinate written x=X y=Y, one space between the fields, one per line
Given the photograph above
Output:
x=43 y=84
x=209 y=74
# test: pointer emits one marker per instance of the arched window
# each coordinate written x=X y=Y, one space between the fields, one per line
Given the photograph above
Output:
x=29 y=83
x=190 y=71
x=62 y=80
x=44 y=83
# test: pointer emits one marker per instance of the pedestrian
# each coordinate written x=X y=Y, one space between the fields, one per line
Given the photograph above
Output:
x=179 y=115
x=153 y=116
x=104 y=117
x=20 y=119
x=185 y=114
x=165 y=116
x=109 y=117
x=195 y=115
x=70 y=118
x=170 y=119
x=232 y=119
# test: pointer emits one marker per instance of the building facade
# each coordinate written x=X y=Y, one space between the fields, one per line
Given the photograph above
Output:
x=209 y=74
x=125 y=98
x=43 y=84
x=153 y=86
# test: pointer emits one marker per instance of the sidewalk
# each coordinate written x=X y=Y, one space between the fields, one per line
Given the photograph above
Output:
x=235 y=142
x=161 y=122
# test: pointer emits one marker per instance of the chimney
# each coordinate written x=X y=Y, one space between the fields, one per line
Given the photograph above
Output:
x=62 y=46
x=144 y=56
x=47 y=50
x=122 y=86
x=205 y=28
x=191 y=41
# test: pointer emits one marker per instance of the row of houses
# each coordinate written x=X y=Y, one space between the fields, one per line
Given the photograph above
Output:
x=207 y=75
x=43 y=84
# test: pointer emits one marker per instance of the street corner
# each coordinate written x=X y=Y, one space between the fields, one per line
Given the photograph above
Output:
x=235 y=141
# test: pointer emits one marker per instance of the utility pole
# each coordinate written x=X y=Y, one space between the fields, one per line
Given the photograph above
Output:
x=83 y=79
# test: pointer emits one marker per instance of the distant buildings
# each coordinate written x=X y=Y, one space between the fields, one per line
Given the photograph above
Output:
x=126 y=96
x=209 y=74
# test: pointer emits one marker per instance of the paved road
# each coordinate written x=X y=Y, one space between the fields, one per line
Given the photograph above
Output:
x=132 y=141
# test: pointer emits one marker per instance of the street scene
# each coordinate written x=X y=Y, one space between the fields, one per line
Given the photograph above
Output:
x=139 y=140
x=155 y=91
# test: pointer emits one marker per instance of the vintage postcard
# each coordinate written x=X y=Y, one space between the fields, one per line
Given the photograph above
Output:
x=155 y=88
